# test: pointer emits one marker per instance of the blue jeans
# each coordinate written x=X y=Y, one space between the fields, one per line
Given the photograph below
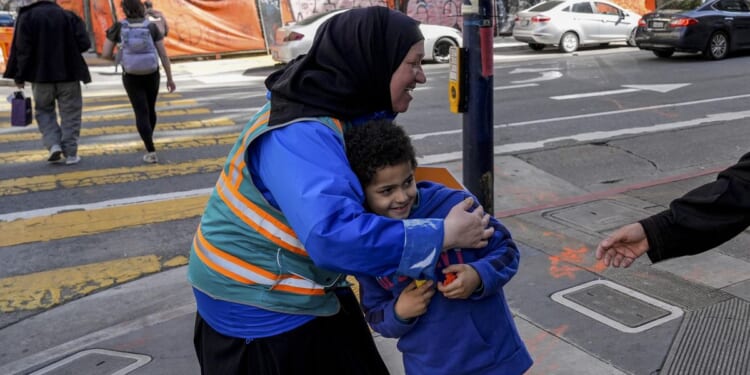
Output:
x=67 y=96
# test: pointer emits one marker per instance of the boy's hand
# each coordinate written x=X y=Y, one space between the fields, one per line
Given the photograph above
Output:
x=414 y=300
x=466 y=282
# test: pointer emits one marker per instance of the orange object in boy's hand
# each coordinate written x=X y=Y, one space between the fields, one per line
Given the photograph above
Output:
x=449 y=277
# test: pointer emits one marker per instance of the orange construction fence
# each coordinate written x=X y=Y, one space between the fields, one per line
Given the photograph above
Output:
x=6 y=38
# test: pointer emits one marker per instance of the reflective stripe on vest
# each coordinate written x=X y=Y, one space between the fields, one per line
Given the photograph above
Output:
x=246 y=273
x=256 y=218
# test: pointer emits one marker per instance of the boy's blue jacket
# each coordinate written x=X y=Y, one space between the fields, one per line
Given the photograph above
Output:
x=472 y=336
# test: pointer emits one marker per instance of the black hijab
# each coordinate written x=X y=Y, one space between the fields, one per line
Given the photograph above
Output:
x=347 y=72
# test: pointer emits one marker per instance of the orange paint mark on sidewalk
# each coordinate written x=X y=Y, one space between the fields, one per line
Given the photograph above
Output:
x=572 y=260
x=542 y=346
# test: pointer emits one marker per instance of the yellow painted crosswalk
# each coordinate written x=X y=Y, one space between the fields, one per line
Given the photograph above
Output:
x=33 y=134
x=69 y=212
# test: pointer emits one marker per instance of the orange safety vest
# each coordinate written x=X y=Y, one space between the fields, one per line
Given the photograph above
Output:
x=244 y=250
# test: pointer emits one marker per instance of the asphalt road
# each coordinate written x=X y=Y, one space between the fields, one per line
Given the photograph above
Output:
x=593 y=121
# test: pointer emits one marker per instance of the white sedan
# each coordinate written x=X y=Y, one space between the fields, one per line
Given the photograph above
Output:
x=569 y=24
x=296 y=39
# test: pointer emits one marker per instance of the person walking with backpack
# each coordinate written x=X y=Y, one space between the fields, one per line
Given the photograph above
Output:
x=141 y=46
x=46 y=51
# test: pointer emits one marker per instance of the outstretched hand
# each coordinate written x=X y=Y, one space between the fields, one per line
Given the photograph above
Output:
x=464 y=229
x=623 y=246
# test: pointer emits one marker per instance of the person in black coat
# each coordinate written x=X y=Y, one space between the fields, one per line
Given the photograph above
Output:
x=700 y=220
x=46 y=50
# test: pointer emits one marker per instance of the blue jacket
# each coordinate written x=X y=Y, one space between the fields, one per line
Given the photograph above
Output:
x=472 y=336
x=302 y=170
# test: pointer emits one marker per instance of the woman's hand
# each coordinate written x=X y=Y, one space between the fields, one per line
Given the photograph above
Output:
x=464 y=229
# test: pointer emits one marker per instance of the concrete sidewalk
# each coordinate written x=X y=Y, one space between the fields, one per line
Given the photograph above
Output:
x=687 y=316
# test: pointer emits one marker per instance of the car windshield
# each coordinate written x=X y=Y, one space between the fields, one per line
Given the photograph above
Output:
x=6 y=20
x=545 y=6
x=315 y=17
x=681 y=4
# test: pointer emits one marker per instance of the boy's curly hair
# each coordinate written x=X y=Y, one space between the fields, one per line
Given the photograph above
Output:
x=377 y=144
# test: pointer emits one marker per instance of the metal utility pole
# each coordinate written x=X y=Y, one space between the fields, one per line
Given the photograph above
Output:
x=478 y=142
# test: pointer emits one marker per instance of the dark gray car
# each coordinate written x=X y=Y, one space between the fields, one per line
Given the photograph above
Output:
x=714 y=28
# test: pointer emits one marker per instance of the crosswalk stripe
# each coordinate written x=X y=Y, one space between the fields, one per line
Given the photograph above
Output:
x=111 y=107
x=82 y=223
x=124 y=98
x=130 y=115
x=41 y=227
x=120 y=129
x=50 y=288
x=107 y=176
x=170 y=143
x=159 y=104
x=5 y=106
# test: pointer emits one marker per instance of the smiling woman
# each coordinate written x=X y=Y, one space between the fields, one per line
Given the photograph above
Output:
x=286 y=222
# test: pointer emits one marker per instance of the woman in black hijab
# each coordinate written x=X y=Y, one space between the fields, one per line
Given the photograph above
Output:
x=286 y=223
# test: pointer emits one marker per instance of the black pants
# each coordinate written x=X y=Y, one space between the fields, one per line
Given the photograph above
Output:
x=142 y=91
x=337 y=345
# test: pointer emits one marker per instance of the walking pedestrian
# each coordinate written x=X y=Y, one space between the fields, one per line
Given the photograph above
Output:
x=141 y=47
x=46 y=50
x=698 y=221
x=285 y=221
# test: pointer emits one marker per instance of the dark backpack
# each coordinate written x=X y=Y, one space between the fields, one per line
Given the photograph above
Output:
x=137 y=53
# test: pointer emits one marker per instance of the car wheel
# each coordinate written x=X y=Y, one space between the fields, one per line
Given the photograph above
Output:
x=663 y=53
x=631 y=37
x=536 y=46
x=718 y=46
x=441 y=51
x=569 y=42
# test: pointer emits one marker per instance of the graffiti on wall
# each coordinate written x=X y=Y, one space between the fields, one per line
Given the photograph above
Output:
x=438 y=12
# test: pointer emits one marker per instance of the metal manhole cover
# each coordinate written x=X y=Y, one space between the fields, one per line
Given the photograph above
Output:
x=96 y=362
x=617 y=306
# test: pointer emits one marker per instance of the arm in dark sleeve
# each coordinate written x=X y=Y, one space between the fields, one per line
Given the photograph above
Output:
x=23 y=47
x=155 y=33
x=498 y=262
x=113 y=33
x=378 y=305
x=79 y=31
x=703 y=218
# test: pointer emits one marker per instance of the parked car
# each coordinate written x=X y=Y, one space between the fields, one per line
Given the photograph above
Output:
x=570 y=24
x=296 y=39
x=714 y=28
x=7 y=19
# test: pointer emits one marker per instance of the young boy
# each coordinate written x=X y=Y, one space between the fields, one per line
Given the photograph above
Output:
x=461 y=325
